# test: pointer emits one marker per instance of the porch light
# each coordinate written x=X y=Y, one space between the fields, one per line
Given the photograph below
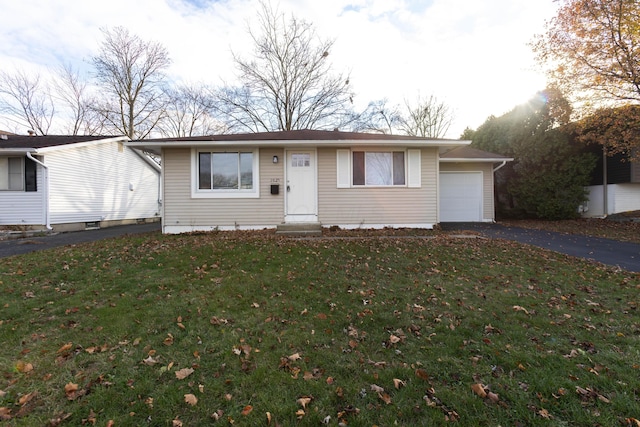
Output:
x=275 y=159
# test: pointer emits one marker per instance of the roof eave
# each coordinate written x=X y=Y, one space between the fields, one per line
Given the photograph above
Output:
x=157 y=145
x=475 y=160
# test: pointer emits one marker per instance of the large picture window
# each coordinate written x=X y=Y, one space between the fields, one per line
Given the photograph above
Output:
x=226 y=174
x=17 y=174
x=380 y=168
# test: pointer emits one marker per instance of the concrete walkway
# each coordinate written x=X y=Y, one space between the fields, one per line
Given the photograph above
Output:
x=624 y=255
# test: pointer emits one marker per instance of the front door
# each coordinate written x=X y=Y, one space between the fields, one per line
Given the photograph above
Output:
x=301 y=200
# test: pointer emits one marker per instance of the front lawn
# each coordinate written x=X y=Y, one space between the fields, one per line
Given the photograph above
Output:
x=250 y=329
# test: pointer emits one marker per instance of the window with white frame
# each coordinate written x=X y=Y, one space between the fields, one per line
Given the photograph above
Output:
x=226 y=173
x=393 y=168
x=12 y=173
x=378 y=168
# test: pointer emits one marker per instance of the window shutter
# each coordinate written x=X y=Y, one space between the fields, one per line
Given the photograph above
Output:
x=413 y=168
x=343 y=167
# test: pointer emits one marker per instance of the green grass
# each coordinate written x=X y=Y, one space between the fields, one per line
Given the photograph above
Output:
x=264 y=321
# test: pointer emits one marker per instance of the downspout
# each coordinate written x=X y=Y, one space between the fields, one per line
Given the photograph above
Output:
x=605 y=183
x=47 y=218
x=499 y=166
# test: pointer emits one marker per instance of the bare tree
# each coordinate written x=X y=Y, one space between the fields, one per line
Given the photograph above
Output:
x=190 y=112
x=72 y=92
x=427 y=117
x=131 y=71
x=378 y=117
x=25 y=101
x=288 y=83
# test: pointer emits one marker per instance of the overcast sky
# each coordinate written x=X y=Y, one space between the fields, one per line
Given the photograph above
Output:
x=471 y=54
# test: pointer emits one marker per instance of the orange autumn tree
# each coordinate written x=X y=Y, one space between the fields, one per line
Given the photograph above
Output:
x=591 y=51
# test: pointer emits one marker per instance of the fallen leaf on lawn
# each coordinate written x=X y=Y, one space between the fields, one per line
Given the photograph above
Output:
x=5 y=413
x=27 y=398
x=394 y=339
x=519 y=308
x=184 y=373
x=422 y=374
x=228 y=397
x=545 y=414
x=304 y=401
x=64 y=348
x=191 y=399
x=201 y=388
x=176 y=423
x=329 y=382
x=3 y=393
x=629 y=421
x=150 y=361
x=300 y=414
x=217 y=415
x=479 y=390
x=110 y=423
x=268 y=418
x=24 y=367
x=326 y=420
x=493 y=397
x=385 y=398
x=247 y=410
x=377 y=388
x=70 y=390
x=397 y=383
x=294 y=357
x=168 y=340
x=180 y=325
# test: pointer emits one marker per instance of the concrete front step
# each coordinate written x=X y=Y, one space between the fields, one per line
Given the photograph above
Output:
x=299 y=229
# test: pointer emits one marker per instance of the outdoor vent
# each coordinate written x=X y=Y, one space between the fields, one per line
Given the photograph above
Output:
x=4 y=137
x=92 y=225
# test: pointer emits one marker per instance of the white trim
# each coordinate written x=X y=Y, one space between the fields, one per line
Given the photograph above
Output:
x=196 y=193
x=179 y=229
x=379 y=226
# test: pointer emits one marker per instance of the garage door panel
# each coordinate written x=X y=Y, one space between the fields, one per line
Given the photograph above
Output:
x=460 y=196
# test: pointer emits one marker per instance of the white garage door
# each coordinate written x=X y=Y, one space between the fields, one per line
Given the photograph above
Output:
x=460 y=196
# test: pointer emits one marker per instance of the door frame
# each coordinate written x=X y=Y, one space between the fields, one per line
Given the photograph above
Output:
x=311 y=217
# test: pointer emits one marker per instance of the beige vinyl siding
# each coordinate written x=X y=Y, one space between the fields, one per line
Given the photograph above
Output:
x=181 y=210
x=101 y=182
x=487 y=184
x=376 y=206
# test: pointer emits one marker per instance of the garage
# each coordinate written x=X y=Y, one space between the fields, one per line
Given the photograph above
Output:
x=460 y=196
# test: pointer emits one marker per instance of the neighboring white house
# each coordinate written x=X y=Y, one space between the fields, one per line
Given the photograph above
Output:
x=326 y=178
x=622 y=193
x=75 y=182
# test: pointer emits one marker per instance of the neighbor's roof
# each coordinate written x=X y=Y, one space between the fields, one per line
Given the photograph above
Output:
x=298 y=138
x=469 y=154
x=37 y=143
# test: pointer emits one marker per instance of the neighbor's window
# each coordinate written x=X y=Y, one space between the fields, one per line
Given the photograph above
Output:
x=378 y=168
x=226 y=171
x=12 y=173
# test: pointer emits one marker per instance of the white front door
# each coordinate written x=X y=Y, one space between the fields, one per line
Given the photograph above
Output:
x=301 y=195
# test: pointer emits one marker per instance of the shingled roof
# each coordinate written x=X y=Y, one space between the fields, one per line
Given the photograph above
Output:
x=466 y=153
x=23 y=141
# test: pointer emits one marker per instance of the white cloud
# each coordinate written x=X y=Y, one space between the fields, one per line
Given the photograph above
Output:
x=470 y=53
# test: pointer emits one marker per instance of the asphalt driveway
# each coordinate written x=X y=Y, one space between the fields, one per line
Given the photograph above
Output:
x=30 y=244
x=611 y=252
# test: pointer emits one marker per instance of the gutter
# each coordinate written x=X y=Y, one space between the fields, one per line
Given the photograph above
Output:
x=499 y=166
x=46 y=190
